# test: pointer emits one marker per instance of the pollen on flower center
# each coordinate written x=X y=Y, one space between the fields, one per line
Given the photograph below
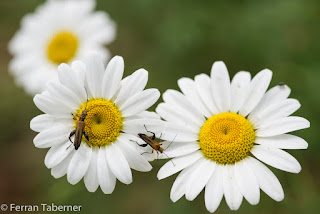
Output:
x=62 y=47
x=226 y=138
x=103 y=121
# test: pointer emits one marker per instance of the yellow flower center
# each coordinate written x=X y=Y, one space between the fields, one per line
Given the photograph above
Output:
x=62 y=47
x=226 y=138
x=103 y=122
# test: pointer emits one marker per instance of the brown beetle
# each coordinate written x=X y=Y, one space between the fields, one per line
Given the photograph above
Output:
x=79 y=131
x=154 y=144
x=151 y=141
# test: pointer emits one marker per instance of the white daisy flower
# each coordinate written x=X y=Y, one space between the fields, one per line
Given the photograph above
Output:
x=116 y=112
x=225 y=127
x=57 y=32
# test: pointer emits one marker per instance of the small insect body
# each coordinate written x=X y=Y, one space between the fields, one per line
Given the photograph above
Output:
x=80 y=126
x=151 y=142
x=79 y=131
x=282 y=84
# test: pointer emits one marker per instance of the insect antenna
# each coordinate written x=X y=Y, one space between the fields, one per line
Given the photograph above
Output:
x=170 y=142
x=87 y=97
x=169 y=158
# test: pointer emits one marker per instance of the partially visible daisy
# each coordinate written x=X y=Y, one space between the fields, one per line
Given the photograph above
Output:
x=57 y=32
x=228 y=128
x=116 y=113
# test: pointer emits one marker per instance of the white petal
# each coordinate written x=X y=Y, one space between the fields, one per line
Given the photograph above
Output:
x=179 y=133
x=188 y=87
x=60 y=92
x=118 y=164
x=257 y=89
x=247 y=182
x=51 y=137
x=203 y=86
x=281 y=126
x=180 y=102
x=147 y=114
x=220 y=84
x=268 y=182
x=239 y=89
x=178 y=115
x=137 y=126
x=61 y=169
x=139 y=102
x=214 y=189
x=73 y=79
x=79 y=164
x=230 y=188
x=199 y=178
x=51 y=106
x=112 y=77
x=178 y=187
x=41 y=122
x=106 y=178
x=284 y=141
x=58 y=153
x=46 y=121
x=144 y=115
x=91 y=177
x=135 y=160
x=277 y=158
x=95 y=72
x=276 y=111
x=273 y=96
x=176 y=149
x=178 y=164
x=131 y=85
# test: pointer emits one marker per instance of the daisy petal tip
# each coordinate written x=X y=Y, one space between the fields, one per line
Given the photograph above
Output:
x=174 y=198
x=267 y=72
x=160 y=175
x=32 y=124
x=218 y=66
x=279 y=197
x=91 y=189
x=304 y=145
x=71 y=180
x=118 y=60
x=142 y=72
x=297 y=169
x=63 y=67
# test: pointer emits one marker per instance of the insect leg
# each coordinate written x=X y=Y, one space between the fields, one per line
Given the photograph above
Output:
x=86 y=135
x=142 y=145
x=146 y=153
x=153 y=134
x=68 y=147
x=71 y=134
x=74 y=117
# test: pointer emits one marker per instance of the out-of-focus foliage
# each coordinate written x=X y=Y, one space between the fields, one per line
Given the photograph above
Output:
x=174 y=39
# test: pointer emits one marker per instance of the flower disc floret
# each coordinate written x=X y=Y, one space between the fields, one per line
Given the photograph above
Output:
x=103 y=121
x=226 y=138
x=62 y=48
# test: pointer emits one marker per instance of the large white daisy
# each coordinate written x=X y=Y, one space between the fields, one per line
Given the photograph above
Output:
x=116 y=113
x=226 y=126
x=57 y=32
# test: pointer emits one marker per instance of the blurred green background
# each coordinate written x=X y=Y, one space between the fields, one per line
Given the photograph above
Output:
x=174 y=39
